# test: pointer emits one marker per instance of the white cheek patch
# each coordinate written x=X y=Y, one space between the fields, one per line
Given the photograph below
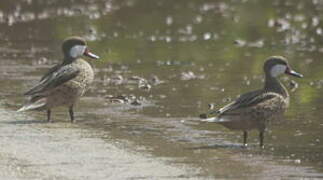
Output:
x=278 y=70
x=77 y=50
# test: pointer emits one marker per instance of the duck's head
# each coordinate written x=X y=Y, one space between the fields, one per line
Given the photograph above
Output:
x=277 y=65
x=75 y=47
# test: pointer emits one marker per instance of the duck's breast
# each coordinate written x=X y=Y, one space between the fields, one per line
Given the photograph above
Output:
x=86 y=75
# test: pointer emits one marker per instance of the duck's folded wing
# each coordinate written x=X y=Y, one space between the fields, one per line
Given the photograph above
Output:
x=247 y=100
x=53 y=80
x=241 y=100
x=51 y=71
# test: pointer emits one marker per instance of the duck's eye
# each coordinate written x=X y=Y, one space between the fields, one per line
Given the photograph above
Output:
x=277 y=70
x=77 y=50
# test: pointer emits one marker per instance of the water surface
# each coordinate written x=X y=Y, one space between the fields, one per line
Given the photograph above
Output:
x=222 y=43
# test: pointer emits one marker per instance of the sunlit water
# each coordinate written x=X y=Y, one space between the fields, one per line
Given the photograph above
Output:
x=202 y=52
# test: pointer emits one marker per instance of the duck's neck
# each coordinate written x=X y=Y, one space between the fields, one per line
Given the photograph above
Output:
x=272 y=84
x=68 y=60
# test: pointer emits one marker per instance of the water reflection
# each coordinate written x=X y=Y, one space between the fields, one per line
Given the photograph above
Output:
x=203 y=52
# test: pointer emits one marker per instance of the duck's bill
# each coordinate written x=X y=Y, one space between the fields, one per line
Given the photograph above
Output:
x=91 y=55
x=294 y=73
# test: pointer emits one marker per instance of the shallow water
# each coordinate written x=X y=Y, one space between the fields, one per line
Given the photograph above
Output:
x=202 y=51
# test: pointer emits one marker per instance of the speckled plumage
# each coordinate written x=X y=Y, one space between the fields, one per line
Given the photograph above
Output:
x=65 y=83
x=70 y=91
x=268 y=106
x=254 y=110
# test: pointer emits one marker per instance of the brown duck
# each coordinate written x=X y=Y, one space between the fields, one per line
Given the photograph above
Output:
x=65 y=83
x=253 y=110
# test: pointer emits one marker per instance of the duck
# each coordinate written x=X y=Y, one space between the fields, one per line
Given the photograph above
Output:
x=255 y=109
x=64 y=83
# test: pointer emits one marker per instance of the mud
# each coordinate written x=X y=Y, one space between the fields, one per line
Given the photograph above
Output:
x=162 y=64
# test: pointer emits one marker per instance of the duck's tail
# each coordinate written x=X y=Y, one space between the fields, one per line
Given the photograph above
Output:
x=211 y=119
x=216 y=119
x=206 y=115
x=34 y=104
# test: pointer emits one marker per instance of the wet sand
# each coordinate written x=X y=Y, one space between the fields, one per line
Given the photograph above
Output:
x=33 y=149
x=203 y=52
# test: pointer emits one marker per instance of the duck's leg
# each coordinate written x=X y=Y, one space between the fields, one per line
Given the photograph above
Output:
x=48 y=115
x=261 y=139
x=245 y=136
x=71 y=111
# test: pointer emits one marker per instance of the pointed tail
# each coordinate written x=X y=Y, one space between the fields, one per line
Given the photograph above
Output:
x=34 y=105
x=211 y=119
x=206 y=117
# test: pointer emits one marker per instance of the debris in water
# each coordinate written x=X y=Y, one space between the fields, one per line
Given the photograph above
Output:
x=117 y=79
x=190 y=76
x=162 y=96
x=137 y=78
x=239 y=42
x=259 y=44
x=211 y=106
x=136 y=102
x=155 y=80
x=293 y=85
x=297 y=161
x=126 y=99
x=144 y=86
x=226 y=99
x=281 y=24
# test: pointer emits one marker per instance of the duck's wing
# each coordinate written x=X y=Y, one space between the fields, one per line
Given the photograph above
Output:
x=51 y=71
x=241 y=101
x=55 y=77
x=247 y=100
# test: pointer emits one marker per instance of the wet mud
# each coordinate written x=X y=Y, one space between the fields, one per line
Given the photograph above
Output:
x=163 y=63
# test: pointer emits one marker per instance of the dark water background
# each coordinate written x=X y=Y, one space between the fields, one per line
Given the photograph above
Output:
x=203 y=52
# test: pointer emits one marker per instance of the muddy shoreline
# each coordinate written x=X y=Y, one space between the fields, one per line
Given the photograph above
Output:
x=35 y=149
x=32 y=149
x=186 y=54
